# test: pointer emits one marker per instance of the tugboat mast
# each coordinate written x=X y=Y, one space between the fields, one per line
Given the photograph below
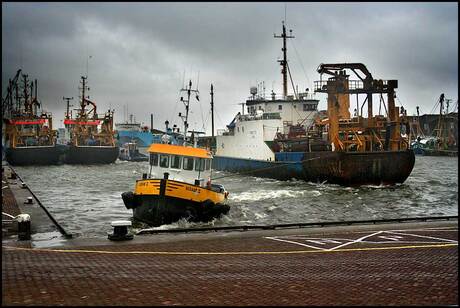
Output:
x=187 y=106
x=212 y=110
x=283 y=62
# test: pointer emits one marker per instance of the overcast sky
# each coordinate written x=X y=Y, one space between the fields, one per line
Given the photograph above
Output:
x=139 y=53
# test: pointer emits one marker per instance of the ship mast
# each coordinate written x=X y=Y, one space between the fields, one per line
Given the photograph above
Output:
x=283 y=62
x=83 y=88
x=187 y=106
x=67 y=114
x=212 y=110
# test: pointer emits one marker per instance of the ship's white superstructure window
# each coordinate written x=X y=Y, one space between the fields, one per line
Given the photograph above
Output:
x=280 y=107
x=164 y=161
x=154 y=159
x=188 y=163
x=175 y=161
x=199 y=164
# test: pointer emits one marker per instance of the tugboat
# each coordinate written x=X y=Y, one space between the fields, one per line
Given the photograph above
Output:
x=130 y=152
x=178 y=184
x=29 y=138
x=91 y=137
x=182 y=192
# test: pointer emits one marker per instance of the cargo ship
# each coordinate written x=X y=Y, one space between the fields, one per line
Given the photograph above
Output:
x=28 y=136
x=91 y=136
x=276 y=140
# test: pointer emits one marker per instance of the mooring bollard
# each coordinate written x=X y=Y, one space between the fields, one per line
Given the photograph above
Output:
x=13 y=176
x=23 y=227
x=23 y=185
x=120 y=231
x=29 y=200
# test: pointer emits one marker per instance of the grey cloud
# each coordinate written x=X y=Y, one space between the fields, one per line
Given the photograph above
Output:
x=140 y=51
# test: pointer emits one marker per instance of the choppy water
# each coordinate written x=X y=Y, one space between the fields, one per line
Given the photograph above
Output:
x=85 y=199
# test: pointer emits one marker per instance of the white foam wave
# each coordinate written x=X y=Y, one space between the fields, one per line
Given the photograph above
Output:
x=265 y=194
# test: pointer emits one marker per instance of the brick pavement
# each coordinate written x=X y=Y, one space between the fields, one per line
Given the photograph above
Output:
x=425 y=275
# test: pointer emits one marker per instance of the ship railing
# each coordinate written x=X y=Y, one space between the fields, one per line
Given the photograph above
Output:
x=263 y=116
x=321 y=85
x=302 y=96
x=353 y=85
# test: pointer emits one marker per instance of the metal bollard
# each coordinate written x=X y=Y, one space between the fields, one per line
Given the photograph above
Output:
x=29 y=200
x=120 y=231
x=23 y=227
x=23 y=185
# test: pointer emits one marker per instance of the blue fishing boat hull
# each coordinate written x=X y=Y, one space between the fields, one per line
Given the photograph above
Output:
x=142 y=139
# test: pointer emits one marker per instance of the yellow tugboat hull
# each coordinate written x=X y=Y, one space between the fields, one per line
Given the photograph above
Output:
x=163 y=201
x=179 y=190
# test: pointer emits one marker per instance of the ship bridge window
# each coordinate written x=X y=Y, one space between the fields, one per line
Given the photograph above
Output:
x=164 y=160
x=175 y=161
x=199 y=164
x=188 y=163
x=153 y=159
x=309 y=107
x=208 y=164
x=280 y=107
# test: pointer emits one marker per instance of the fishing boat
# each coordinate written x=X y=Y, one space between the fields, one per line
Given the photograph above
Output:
x=130 y=152
x=443 y=141
x=28 y=136
x=178 y=184
x=331 y=146
x=91 y=136
x=132 y=131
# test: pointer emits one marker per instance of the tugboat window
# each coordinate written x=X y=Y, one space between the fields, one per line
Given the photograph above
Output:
x=164 y=161
x=188 y=163
x=153 y=159
x=280 y=107
x=208 y=164
x=175 y=161
x=199 y=164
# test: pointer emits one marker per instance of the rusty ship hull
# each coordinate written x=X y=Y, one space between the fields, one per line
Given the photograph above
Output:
x=343 y=168
x=89 y=155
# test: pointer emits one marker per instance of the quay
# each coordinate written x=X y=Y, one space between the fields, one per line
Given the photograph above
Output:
x=410 y=263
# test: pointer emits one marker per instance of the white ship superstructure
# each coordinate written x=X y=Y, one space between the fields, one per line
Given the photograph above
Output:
x=248 y=134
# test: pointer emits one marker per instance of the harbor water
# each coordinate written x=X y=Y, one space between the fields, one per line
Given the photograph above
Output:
x=85 y=199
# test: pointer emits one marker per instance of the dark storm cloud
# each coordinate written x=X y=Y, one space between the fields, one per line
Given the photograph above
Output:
x=141 y=52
